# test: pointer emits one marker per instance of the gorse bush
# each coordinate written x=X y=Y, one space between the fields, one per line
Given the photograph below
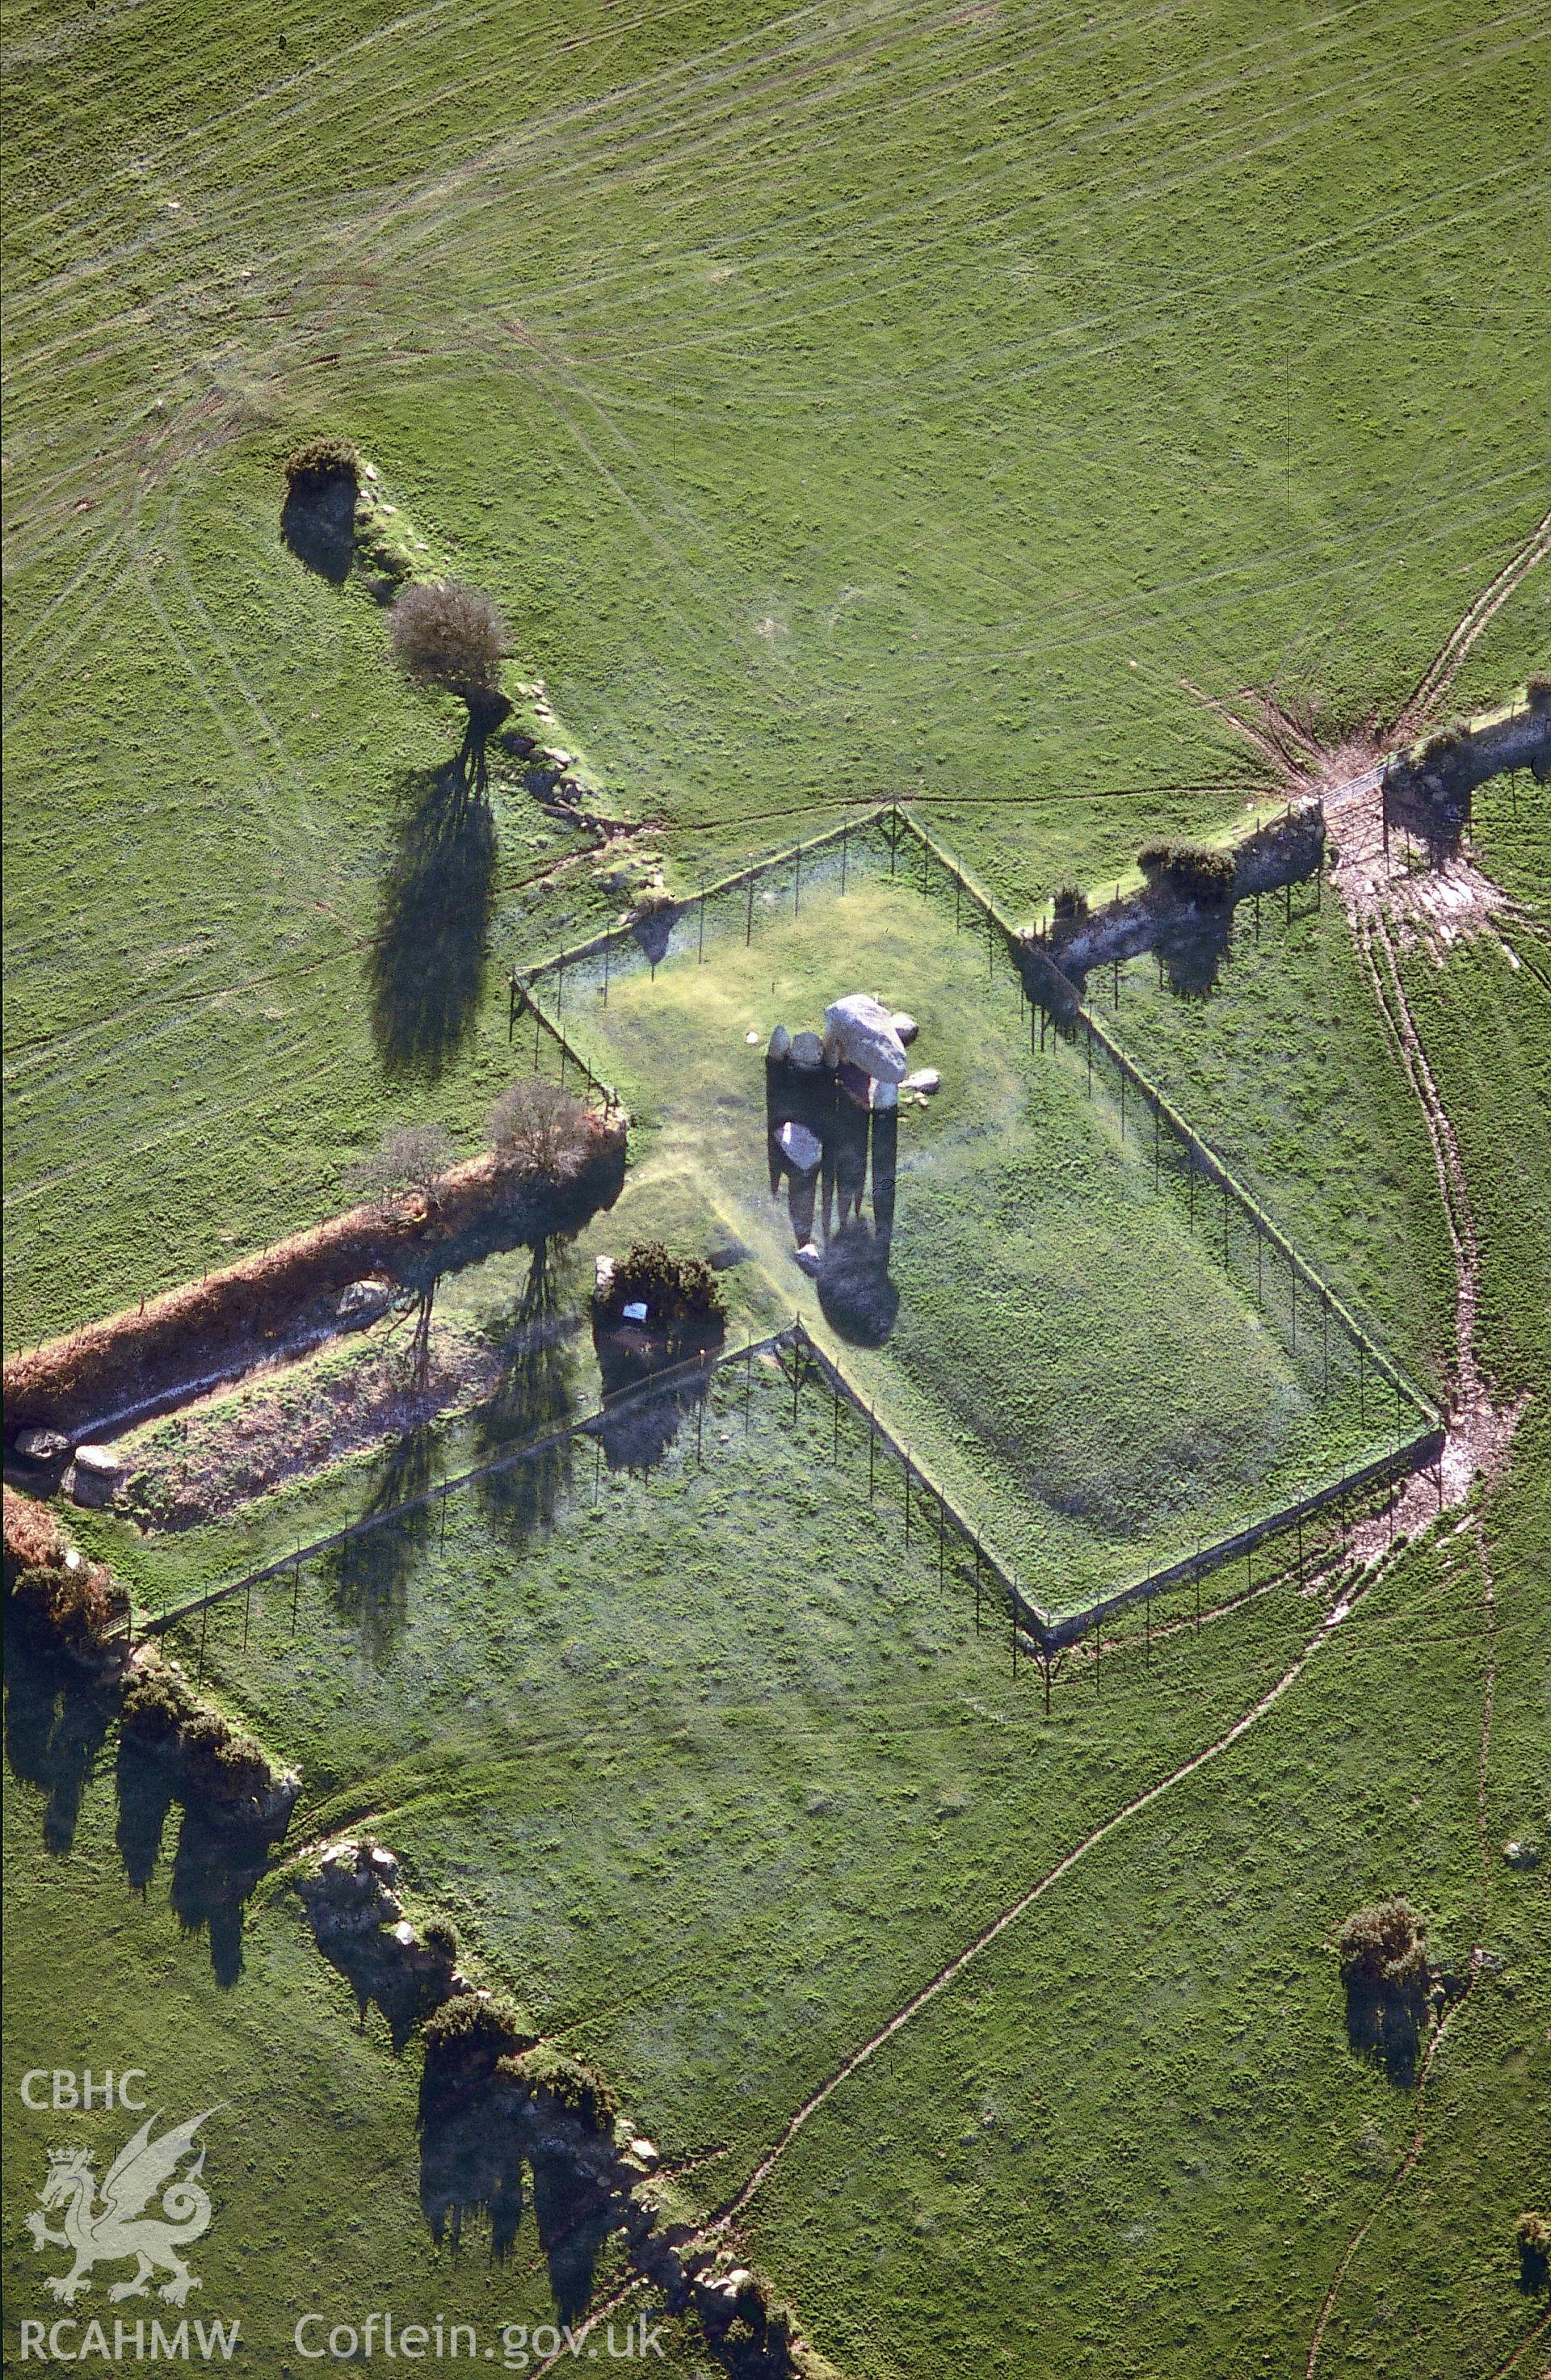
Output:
x=34 y=1539
x=1071 y=901
x=76 y=1604
x=1387 y=1974
x=442 y=1938
x=223 y=1764
x=464 y=2040
x=219 y=1763
x=1381 y=1944
x=569 y=2080
x=677 y=1292
x=52 y=1586
x=1190 y=870
x=1532 y=2237
x=319 y=460
x=156 y=1705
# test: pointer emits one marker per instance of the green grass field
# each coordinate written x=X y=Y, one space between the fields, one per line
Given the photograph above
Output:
x=841 y=403
x=887 y=401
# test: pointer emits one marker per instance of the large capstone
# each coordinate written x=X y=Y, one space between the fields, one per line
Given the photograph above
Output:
x=862 y=1030
x=98 y=1471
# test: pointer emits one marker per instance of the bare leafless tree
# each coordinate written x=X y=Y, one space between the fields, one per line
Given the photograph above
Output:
x=539 y=1128
x=409 y=1157
x=452 y=638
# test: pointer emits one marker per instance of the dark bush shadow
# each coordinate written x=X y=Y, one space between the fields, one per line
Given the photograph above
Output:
x=369 y=1574
x=318 y=523
x=426 y=970
x=1193 y=954
x=640 y=1421
x=535 y=1392
x=58 y=1718
x=654 y=931
x=214 y=1873
x=573 y=2218
x=145 y=1795
x=1387 y=2026
x=472 y=2164
x=1534 y=2265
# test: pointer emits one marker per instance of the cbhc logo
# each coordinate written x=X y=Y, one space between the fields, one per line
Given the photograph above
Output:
x=60 y=2087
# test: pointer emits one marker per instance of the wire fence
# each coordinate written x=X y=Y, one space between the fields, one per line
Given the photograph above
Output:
x=888 y=830
x=692 y=1370
x=1052 y=1629
x=1075 y=1022
x=932 y=1517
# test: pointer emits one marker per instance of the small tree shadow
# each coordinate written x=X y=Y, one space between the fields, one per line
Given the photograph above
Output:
x=425 y=970
x=318 y=523
x=214 y=1873
x=535 y=1392
x=369 y=1572
x=58 y=1718
x=145 y=1795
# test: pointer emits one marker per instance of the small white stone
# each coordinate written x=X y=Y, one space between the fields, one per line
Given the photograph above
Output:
x=926 y=1080
x=636 y=1311
x=810 y=1256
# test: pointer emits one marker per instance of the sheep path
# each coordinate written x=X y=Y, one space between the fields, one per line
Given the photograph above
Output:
x=949 y=1974
x=1441 y=671
x=1418 y=2139
x=930 y=1990
x=1476 y=1443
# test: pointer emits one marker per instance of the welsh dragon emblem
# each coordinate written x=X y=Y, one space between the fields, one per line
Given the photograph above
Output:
x=101 y=2234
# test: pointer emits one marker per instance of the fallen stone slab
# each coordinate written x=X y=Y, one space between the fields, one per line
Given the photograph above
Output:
x=801 y=1148
x=42 y=1448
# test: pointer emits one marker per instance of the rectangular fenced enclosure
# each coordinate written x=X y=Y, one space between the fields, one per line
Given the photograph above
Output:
x=1056 y=1295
